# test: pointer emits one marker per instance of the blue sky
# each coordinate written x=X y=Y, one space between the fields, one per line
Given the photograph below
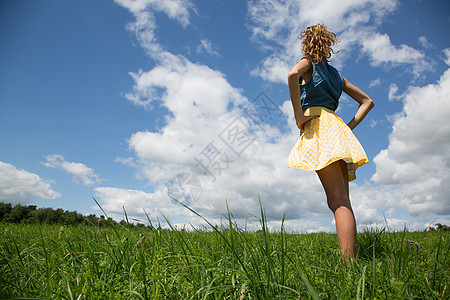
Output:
x=114 y=99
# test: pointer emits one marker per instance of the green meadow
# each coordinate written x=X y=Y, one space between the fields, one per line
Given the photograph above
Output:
x=222 y=262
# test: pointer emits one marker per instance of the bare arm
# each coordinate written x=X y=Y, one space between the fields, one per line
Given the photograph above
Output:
x=365 y=103
x=294 y=75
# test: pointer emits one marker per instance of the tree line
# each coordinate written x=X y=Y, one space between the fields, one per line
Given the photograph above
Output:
x=30 y=214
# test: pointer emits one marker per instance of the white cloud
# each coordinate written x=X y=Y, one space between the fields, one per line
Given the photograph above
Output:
x=355 y=21
x=392 y=94
x=207 y=47
x=184 y=88
x=447 y=56
x=80 y=172
x=416 y=164
x=274 y=19
x=20 y=186
x=144 y=25
x=201 y=103
x=381 y=51
x=174 y=9
x=424 y=42
x=375 y=82
x=140 y=205
x=273 y=69
x=113 y=200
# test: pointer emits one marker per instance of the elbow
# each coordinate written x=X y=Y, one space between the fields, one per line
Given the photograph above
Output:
x=368 y=103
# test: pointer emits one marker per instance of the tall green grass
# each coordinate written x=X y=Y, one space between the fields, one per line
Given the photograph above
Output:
x=225 y=262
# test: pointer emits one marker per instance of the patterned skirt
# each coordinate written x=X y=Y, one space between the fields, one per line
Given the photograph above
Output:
x=326 y=140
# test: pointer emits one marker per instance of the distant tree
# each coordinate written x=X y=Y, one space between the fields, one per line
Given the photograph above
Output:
x=5 y=208
x=71 y=218
x=19 y=213
x=50 y=216
x=43 y=215
x=442 y=227
x=90 y=220
x=29 y=214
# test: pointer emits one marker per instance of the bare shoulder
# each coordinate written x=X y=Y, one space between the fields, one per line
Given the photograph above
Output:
x=302 y=67
x=305 y=62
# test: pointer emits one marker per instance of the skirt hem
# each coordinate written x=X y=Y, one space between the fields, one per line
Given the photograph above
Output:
x=357 y=162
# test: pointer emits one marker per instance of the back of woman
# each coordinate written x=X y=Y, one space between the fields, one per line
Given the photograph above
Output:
x=326 y=144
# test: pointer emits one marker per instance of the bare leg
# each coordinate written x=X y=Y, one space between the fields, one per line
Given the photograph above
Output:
x=334 y=180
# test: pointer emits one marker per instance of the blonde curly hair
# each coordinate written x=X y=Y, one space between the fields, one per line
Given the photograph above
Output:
x=317 y=42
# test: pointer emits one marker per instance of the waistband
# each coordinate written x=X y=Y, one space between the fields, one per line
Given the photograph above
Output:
x=317 y=110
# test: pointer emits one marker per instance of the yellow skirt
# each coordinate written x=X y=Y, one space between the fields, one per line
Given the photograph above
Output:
x=326 y=140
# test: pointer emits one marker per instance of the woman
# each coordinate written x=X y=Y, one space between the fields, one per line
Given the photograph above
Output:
x=327 y=145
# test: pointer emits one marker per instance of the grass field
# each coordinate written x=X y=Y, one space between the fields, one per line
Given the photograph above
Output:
x=227 y=262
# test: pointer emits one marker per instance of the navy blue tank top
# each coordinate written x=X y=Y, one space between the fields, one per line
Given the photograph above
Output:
x=324 y=89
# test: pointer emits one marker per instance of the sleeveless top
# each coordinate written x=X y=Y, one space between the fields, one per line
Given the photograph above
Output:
x=324 y=89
